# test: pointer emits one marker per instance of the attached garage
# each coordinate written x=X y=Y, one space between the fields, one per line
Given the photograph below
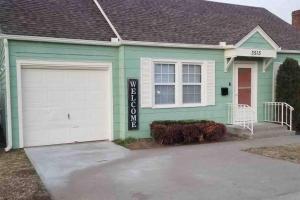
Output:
x=64 y=103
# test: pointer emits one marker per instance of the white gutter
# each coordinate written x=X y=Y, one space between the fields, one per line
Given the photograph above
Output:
x=179 y=45
x=58 y=40
x=107 y=20
x=8 y=99
x=290 y=51
x=113 y=44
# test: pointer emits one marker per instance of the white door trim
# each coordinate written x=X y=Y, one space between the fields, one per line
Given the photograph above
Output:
x=254 y=75
x=38 y=64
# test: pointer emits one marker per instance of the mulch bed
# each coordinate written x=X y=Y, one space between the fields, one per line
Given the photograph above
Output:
x=151 y=144
x=289 y=153
x=18 y=179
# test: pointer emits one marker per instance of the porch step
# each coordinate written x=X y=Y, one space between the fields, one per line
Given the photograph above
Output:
x=261 y=130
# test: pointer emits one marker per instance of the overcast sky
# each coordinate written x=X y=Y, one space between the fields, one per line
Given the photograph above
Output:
x=282 y=8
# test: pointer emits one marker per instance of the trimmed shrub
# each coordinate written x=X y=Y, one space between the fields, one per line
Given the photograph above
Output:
x=159 y=133
x=214 y=132
x=181 y=122
x=288 y=87
x=187 y=131
x=176 y=133
x=191 y=133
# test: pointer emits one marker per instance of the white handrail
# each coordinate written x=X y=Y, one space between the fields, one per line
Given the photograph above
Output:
x=279 y=112
x=241 y=115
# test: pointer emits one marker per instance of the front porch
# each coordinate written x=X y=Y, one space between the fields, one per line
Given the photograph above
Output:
x=278 y=119
x=261 y=130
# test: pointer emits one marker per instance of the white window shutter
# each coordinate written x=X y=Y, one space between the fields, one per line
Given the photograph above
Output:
x=146 y=82
x=210 y=89
x=276 y=66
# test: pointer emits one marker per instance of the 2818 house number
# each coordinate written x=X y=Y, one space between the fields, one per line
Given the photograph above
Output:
x=256 y=53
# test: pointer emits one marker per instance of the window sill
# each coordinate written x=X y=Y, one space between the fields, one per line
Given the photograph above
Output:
x=177 y=106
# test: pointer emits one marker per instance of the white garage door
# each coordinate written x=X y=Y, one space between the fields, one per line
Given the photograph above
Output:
x=65 y=106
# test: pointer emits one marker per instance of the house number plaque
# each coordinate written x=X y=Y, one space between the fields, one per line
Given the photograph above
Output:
x=133 y=104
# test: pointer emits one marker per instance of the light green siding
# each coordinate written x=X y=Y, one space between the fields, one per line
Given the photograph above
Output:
x=282 y=56
x=147 y=115
x=2 y=87
x=61 y=52
x=126 y=64
x=257 y=41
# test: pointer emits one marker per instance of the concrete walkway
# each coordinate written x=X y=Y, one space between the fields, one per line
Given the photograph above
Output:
x=209 y=172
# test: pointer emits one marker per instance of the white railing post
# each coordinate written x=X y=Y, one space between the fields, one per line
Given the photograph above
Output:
x=272 y=113
x=241 y=115
x=291 y=119
x=282 y=114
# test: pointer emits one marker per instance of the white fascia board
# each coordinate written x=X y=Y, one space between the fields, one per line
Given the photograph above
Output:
x=59 y=40
x=290 y=51
x=259 y=30
x=108 y=43
x=178 y=45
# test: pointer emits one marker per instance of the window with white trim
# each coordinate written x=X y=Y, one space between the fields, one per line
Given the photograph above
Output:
x=168 y=83
x=172 y=89
x=191 y=83
x=164 y=80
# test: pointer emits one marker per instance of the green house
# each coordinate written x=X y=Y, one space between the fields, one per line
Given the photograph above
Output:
x=87 y=70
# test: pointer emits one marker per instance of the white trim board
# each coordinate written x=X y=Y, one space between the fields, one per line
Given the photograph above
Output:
x=8 y=96
x=113 y=44
x=107 y=19
x=123 y=42
x=38 y=64
x=178 y=85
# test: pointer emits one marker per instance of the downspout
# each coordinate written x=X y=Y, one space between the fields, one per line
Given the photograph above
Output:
x=8 y=103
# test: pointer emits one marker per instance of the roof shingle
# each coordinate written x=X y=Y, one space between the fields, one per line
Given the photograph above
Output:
x=74 y=19
x=195 y=22
x=171 y=21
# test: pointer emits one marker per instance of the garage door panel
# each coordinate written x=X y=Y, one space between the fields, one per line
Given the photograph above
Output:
x=68 y=106
x=77 y=99
x=55 y=79
x=34 y=97
x=34 y=116
x=32 y=79
x=56 y=98
x=35 y=136
x=77 y=79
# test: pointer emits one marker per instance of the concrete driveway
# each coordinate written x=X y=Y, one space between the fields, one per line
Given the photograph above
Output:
x=217 y=171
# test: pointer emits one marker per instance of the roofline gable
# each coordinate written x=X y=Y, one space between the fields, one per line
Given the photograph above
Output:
x=259 y=30
x=107 y=19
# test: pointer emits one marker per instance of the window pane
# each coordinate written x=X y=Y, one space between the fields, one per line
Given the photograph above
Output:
x=165 y=68
x=197 y=78
x=165 y=78
x=157 y=68
x=164 y=73
x=171 y=78
x=185 y=78
x=157 y=78
x=172 y=69
x=164 y=94
x=191 y=94
x=198 y=69
x=191 y=73
x=185 y=69
x=191 y=69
